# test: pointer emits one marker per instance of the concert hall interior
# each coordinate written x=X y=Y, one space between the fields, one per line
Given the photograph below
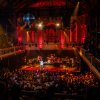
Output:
x=49 y=50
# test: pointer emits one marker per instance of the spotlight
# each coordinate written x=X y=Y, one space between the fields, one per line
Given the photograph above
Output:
x=58 y=25
x=40 y=25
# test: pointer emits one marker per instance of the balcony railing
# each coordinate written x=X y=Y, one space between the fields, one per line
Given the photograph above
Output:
x=12 y=50
x=93 y=60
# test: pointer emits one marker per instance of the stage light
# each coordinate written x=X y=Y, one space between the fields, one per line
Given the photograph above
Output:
x=27 y=18
x=40 y=25
x=57 y=25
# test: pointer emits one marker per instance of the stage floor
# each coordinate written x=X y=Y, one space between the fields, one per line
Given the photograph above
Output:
x=49 y=68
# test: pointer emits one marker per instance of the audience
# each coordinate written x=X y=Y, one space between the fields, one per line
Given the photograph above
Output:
x=47 y=84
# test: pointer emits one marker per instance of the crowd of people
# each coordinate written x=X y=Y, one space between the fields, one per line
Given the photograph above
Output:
x=47 y=84
x=56 y=60
x=43 y=84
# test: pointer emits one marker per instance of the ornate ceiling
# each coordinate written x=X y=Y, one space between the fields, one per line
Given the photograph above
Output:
x=35 y=5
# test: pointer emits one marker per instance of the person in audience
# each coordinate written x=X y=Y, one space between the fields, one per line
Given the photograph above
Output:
x=47 y=83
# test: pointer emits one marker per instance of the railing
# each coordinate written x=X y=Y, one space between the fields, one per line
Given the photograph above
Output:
x=47 y=46
x=93 y=60
x=11 y=50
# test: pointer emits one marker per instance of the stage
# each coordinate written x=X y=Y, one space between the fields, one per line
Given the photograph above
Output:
x=49 y=68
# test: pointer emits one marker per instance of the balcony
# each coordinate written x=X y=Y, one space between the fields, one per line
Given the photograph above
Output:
x=92 y=62
x=11 y=51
